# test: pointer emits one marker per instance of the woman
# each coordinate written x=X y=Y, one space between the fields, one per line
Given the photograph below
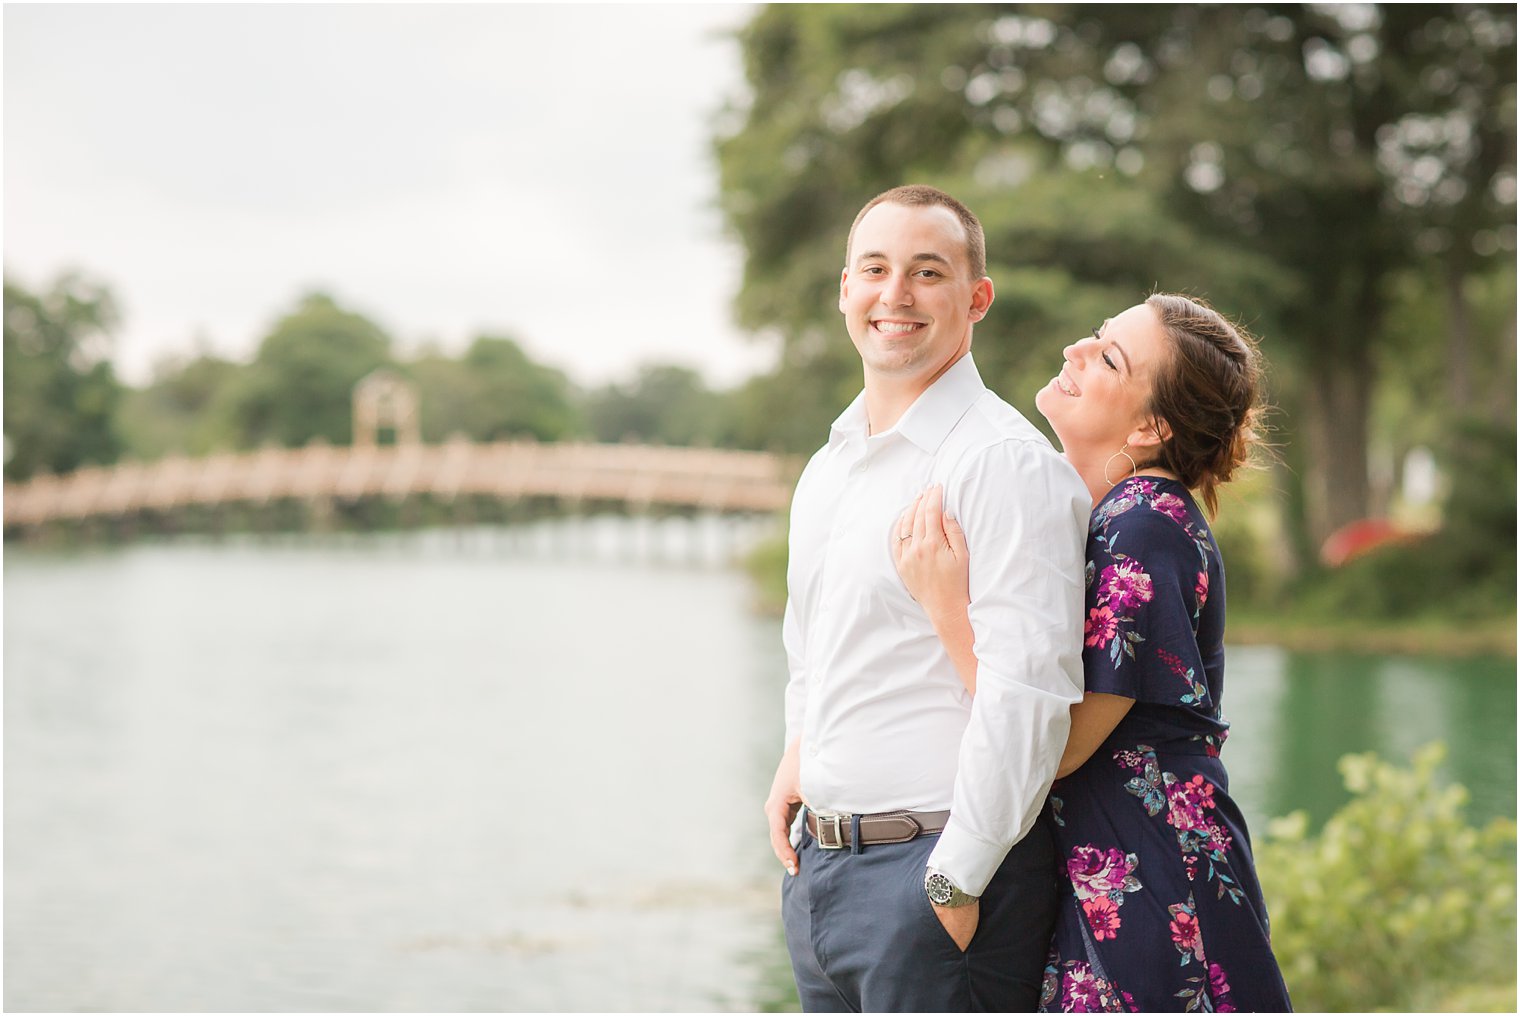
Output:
x=1160 y=904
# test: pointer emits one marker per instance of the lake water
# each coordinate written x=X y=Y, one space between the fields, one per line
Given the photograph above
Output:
x=479 y=770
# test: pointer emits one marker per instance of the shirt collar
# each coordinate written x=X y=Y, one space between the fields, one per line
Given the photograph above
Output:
x=851 y=422
x=931 y=417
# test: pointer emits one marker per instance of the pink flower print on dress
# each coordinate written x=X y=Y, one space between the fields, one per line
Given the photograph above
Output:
x=1196 y=692
x=1082 y=992
x=1173 y=507
x=1187 y=802
x=1102 y=916
x=1185 y=934
x=1123 y=586
x=1097 y=872
x=1101 y=626
x=1219 y=989
x=1201 y=589
x=1219 y=838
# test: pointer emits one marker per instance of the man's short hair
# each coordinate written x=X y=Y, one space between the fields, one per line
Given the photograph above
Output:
x=917 y=195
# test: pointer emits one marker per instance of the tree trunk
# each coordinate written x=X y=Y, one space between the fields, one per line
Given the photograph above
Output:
x=1336 y=409
x=1502 y=405
x=1459 y=387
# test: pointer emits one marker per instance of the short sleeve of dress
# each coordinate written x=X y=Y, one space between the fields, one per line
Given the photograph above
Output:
x=1139 y=637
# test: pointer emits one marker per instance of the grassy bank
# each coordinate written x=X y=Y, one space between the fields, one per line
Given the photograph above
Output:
x=1416 y=637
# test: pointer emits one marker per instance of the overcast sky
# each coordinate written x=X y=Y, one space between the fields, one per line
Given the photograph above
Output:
x=446 y=170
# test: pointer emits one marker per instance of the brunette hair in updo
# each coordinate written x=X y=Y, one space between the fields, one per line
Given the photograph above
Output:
x=1207 y=391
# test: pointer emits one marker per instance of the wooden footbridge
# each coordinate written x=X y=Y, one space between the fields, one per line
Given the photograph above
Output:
x=637 y=476
x=320 y=475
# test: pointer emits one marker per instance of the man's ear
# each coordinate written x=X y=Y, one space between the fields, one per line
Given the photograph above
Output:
x=844 y=287
x=1151 y=434
x=981 y=299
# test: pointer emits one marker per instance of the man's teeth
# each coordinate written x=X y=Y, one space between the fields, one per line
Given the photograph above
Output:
x=896 y=327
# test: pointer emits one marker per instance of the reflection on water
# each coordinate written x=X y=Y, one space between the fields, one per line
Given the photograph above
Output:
x=480 y=770
x=1293 y=715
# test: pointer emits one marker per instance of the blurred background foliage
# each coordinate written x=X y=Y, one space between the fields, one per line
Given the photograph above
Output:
x=1339 y=178
x=1397 y=904
x=61 y=395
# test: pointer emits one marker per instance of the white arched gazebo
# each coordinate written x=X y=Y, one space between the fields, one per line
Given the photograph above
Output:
x=383 y=398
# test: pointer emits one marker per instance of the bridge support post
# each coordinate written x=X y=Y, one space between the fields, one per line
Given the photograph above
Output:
x=320 y=514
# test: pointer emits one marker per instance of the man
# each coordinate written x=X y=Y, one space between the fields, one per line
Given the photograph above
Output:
x=890 y=903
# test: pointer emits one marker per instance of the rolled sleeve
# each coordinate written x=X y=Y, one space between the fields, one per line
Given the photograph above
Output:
x=1024 y=511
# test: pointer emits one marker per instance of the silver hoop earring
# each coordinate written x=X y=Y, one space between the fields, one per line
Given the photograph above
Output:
x=1133 y=469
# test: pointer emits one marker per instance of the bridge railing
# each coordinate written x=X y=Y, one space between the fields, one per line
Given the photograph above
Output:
x=639 y=475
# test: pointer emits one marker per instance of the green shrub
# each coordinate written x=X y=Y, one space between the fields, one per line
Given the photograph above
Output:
x=1397 y=904
x=1397 y=581
x=1465 y=570
x=1248 y=575
x=766 y=565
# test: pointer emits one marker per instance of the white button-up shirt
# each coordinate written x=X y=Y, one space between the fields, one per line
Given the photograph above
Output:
x=884 y=719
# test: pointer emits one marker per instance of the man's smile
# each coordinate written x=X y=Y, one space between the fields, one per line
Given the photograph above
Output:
x=897 y=327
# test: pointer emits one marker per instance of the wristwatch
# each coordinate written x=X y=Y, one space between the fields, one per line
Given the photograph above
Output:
x=942 y=892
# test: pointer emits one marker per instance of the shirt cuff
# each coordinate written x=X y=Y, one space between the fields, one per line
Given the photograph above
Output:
x=969 y=860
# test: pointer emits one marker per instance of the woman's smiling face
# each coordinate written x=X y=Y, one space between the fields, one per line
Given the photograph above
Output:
x=1098 y=400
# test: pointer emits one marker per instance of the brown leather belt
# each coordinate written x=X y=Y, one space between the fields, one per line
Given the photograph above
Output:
x=832 y=829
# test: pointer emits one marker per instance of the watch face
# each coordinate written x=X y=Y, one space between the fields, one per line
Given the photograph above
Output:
x=939 y=888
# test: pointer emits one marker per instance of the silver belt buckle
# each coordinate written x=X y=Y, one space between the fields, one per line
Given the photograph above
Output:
x=834 y=821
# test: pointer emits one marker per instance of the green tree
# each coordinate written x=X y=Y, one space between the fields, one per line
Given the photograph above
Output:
x=859 y=100
x=1417 y=403
x=494 y=391
x=664 y=404
x=1288 y=161
x=185 y=409
x=789 y=409
x=300 y=384
x=60 y=391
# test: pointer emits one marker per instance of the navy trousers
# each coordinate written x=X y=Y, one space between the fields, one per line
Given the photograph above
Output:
x=863 y=936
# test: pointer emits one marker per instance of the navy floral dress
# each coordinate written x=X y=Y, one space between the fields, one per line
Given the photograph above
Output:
x=1160 y=909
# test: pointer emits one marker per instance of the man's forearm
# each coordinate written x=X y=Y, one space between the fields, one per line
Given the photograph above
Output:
x=1025 y=616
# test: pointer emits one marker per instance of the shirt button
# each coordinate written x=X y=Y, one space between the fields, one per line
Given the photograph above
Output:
x=813 y=750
